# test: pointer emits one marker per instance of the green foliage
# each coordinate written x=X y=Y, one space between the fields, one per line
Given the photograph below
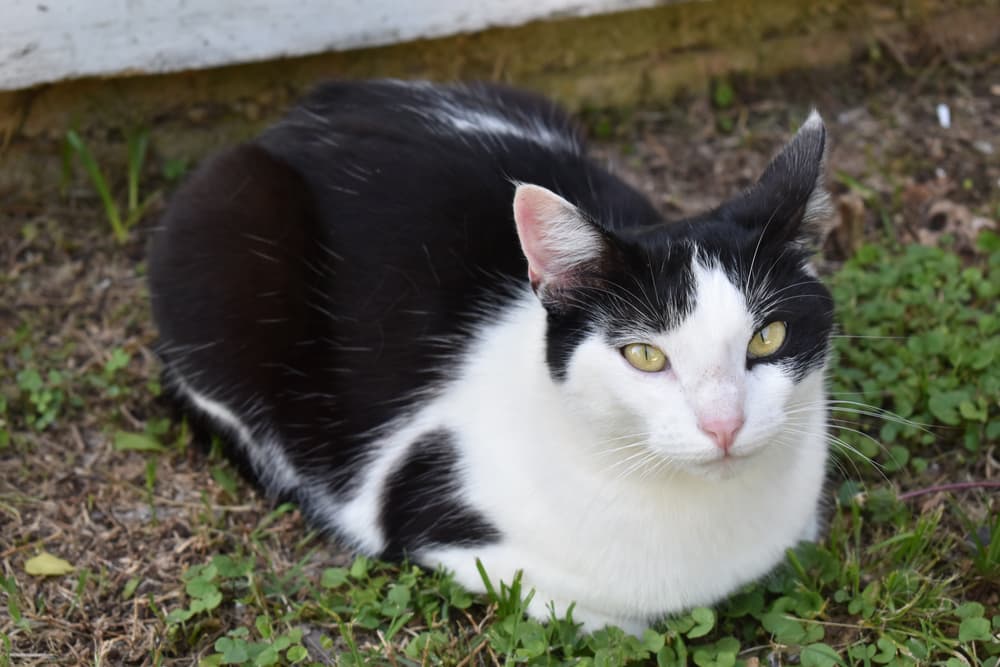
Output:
x=45 y=390
x=174 y=169
x=8 y=585
x=887 y=592
x=723 y=95
x=924 y=343
x=723 y=99
x=137 y=145
x=985 y=545
x=43 y=395
x=136 y=442
x=109 y=379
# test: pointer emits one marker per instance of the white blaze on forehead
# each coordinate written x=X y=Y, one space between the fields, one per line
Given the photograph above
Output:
x=708 y=348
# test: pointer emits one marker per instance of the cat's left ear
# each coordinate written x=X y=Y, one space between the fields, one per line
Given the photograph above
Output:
x=790 y=202
x=561 y=245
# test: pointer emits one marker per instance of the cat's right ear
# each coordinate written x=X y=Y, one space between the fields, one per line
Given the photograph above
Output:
x=789 y=202
x=561 y=245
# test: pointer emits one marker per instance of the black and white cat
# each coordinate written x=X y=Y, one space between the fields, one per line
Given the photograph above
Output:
x=421 y=312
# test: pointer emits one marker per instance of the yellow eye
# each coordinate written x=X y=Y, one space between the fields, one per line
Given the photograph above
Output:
x=767 y=341
x=645 y=357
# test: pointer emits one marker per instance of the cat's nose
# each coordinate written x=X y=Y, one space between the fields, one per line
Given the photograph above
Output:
x=722 y=429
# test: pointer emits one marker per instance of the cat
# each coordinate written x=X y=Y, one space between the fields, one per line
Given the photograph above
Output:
x=421 y=312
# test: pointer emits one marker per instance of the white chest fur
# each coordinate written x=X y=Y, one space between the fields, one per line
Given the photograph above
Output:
x=626 y=549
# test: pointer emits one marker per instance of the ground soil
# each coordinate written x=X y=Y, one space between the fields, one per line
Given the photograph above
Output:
x=70 y=297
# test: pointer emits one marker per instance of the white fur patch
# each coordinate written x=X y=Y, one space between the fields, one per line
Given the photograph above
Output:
x=483 y=117
x=602 y=487
x=279 y=475
x=604 y=490
x=475 y=121
x=266 y=456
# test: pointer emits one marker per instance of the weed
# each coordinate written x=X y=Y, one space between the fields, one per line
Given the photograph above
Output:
x=107 y=379
x=174 y=169
x=44 y=394
x=9 y=586
x=983 y=542
x=137 y=145
x=723 y=97
x=151 y=467
x=4 y=424
x=930 y=331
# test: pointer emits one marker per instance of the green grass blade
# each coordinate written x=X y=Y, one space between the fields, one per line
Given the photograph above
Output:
x=138 y=142
x=136 y=214
x=100 y=183
x=491 y=592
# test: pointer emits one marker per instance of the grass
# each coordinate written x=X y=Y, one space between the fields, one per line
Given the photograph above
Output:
x=174 y=560
x=875 y=592
x=933 y=338
x=137 y=144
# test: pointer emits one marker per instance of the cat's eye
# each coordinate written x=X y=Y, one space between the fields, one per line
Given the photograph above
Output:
x=645 y=357
x=767 y=340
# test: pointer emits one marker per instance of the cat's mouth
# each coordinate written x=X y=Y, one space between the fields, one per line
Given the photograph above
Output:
x=721 y=465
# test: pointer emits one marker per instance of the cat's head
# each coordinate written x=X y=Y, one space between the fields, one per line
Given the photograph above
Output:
x=701 y=342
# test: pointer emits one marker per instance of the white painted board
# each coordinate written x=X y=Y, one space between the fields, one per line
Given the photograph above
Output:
x=51 y=40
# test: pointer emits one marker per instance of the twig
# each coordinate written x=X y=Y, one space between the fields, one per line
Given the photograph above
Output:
x=472 y=654
x=956 y=486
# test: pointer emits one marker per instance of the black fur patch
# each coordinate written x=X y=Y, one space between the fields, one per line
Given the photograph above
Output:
x=313 y=273
x=759 y=238
x=419 y=507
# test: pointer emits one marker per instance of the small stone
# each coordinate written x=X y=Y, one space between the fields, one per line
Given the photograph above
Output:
x=944 y=116
x=983 y=146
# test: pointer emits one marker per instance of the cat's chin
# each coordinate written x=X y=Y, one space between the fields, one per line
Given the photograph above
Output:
x=720 y=467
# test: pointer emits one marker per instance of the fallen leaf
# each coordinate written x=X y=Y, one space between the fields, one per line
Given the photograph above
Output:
x=847 y=229
x=136 y=442
x=47 y=565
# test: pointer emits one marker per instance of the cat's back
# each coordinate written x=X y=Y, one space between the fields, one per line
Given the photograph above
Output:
x=468 y=119
x=443 y=159
x=396 y=166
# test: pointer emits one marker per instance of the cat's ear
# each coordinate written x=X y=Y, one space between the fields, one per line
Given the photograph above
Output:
x=790 y=202
x=556 y=238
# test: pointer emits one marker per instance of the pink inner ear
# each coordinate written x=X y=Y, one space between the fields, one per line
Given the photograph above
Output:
x=532 y=206
x=554 y=236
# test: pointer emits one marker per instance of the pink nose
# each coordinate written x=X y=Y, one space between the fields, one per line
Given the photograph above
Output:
x=722 y=429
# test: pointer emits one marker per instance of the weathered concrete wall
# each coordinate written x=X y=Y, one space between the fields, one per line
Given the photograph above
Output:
x=55 y=41
x=636 y=58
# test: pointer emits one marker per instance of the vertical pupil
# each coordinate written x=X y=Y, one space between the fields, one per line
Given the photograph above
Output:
x=645 y=352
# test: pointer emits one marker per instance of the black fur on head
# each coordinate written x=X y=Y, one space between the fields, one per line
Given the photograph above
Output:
x=788 y=202
x=761 y=238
